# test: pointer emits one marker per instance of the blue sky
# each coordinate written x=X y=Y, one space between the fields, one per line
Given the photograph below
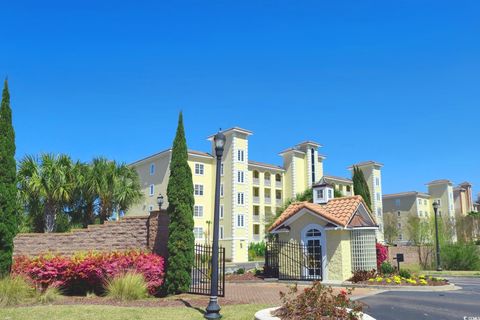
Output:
x=393 y=81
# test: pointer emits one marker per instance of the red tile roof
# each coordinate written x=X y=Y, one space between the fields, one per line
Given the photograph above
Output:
x=337 y=210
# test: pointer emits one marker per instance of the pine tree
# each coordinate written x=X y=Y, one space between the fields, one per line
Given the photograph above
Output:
x=181 y=240
x=360 y=186
x=8 y=189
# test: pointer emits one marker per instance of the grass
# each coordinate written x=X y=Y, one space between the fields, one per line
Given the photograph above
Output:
x=129 y=286
x=90 y=312
x=50 y=295
x=14 y=290
x=452 y=273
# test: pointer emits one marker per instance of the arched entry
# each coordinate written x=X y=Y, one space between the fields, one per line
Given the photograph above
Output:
x=314 y=241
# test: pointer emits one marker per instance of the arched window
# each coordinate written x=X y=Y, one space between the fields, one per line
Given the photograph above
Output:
x=314 y=233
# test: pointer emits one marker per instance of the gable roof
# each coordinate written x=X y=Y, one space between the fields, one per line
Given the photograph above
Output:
x=339 y=211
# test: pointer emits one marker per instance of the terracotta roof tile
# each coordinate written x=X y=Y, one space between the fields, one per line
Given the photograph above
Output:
x=337 y=210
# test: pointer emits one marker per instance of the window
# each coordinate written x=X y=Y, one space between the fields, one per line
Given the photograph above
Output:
x=240 y=155
x=397 y=203
x=150 y=208
x=221 y=211
x=199 y=169
x=221 y=169
x=380 y=226
x=425 y=202
x=378 y=196
x=420 y=201
x=220 y=232
x=399 y=226
x=241 y=220
x=379 y=212
x=198 y=232
x=398 y=213
x=330 y=194
x=198 y=211
x=221 y=189
x=314 y=233
x=240 y=198
x=256 y=229
x=319 y=193
x=152 y=190
x=199 y=189
x=377 y=181
x=240 y=177
x=348 y=188
x=152 y=169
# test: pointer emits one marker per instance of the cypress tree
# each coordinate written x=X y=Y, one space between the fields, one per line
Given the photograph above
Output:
x=360 y=186
x=8 y=188
x=181 y=241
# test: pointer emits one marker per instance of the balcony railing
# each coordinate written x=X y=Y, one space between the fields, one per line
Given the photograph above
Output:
x=256 y=218
x=279 y=202
x=278 y=184
x=256 y=181
x=267 y=182
x=256 y=199
x=256 y=237
x=268 y=200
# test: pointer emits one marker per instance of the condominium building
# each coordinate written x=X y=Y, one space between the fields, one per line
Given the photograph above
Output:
x=420 y=204
x=250 y=191
x=463 y=200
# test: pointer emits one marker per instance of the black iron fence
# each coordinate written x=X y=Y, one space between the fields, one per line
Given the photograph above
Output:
x=293 y=261
x=202 y=271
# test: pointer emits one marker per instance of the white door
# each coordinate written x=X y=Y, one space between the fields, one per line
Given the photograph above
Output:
x=312 y=240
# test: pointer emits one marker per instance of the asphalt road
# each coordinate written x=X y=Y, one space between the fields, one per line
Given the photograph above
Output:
x=398 y=305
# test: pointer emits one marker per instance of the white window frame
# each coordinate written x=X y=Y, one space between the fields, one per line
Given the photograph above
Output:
x=151 y=190
x=240 y=198
x=378 y=196
x=198 y=211
x=221 y=169
x=222 y=211
x=319 y=193
x=150 y=208
x=240 y=221
x=241 y=155
x=199 y=191
x=221 y=233
x=241 y=176
x=377 y=181
x=221 y=190
x=152 y=169
x=196 y=231
x=379 y=212
x=199 y=169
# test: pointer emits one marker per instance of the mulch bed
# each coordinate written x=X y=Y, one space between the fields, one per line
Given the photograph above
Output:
x=247 y=276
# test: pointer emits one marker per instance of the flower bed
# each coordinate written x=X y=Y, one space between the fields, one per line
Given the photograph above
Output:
x=393 y=280
x=87 y=272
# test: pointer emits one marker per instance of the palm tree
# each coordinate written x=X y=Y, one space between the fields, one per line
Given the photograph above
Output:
x=49 y=181
x=83 y=201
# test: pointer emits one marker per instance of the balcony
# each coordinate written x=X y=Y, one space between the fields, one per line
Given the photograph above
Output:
x=268 y=200
x=267 y=182
x=279 y=202
x=256 y=200
x=256 y=218
x=256 y=181
x=278 y=184
x=256 y=238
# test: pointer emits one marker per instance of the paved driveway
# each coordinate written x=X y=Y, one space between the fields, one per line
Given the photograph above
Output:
x=428 y=305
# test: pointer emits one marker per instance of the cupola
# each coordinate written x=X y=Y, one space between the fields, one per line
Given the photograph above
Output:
x=323 y=191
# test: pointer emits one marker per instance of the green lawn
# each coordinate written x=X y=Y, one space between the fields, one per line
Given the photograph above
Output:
x=91 y=312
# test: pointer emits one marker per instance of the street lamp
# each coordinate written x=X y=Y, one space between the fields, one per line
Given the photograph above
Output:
x=435 y=209
x=160 y=201
x=213 y=309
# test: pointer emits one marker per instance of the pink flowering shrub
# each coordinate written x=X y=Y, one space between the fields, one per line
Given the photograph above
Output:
x=89 y=271
x=382 y=254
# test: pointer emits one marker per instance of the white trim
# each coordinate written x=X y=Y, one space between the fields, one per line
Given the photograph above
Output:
x=195 y=168
x=323 y=243
x=302 y=212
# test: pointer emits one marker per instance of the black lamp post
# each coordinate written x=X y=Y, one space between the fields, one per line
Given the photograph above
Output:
x=435 y=209
x=213 y=309
x=160 y=202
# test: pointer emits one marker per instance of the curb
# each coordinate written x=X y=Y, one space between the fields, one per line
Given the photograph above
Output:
x=448 y=287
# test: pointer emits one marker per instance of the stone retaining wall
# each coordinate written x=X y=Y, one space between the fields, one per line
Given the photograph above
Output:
x=143 y=232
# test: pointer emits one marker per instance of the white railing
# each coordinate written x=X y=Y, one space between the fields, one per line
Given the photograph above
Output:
x=267 y=182
x=268 y=200
x=278 y=184
x=256 y=181
x=256 y=237
x=279 y=202
x=256 y=218
x=256 y=199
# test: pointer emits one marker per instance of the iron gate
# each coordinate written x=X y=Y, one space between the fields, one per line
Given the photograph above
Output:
x=293 y=261
x=202 y=271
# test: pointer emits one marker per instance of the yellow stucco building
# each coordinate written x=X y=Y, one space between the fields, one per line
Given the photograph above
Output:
x=251 y=191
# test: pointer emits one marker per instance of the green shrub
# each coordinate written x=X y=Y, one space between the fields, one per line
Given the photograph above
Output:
x=404 y=273
x=460 y=256
x=14 y=290
x=50 y=295
x=240 y=271
x=387 y=268
x=256 y=250
x=129 y=286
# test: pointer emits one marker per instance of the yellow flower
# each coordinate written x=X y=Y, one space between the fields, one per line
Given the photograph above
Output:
x=422 y=282
x=388 y=280
x=379 y=279
x=371 y=280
